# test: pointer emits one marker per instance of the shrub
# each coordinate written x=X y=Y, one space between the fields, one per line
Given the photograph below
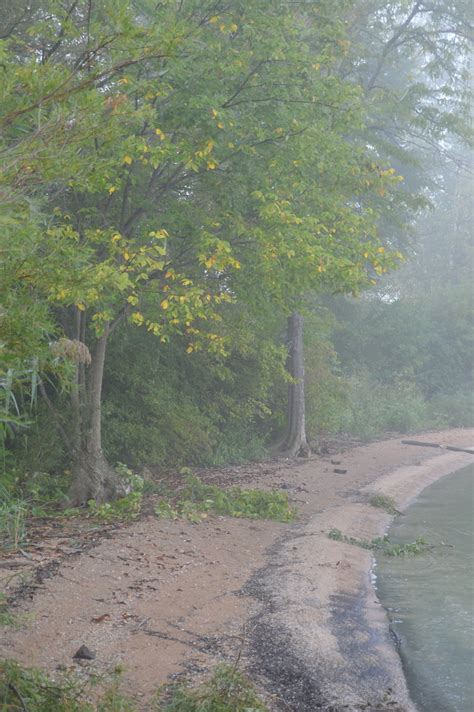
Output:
x=374 y=408
x=455 y=410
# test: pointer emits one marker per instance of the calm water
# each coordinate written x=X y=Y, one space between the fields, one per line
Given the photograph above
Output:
x=431 y=597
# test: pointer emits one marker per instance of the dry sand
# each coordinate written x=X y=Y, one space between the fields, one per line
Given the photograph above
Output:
x=165 y=598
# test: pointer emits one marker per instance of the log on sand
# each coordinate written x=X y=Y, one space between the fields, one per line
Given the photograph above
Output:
x=469 y=450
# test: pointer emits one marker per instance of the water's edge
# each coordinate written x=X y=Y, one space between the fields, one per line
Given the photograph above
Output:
x=427 y=600
x=321 y=637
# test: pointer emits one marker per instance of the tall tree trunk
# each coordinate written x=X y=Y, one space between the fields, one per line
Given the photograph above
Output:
x=76 y=389
x=295 y=443
x=93 y=478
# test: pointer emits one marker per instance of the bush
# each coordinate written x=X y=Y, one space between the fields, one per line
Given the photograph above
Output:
x=374 y=408
x=454 y=410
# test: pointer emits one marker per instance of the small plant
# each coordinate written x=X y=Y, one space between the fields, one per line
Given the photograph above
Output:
x=383 y=544
x=132 y=482
x=13 y=513
x=125 y=508
x=6 y=617
x=197 y=499
x=226 y=691
x=419 y=546
x=383 y=501
x=32 y=690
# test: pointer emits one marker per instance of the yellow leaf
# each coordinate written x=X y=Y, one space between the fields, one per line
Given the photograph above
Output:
x=116 y=238
x=234 y=27
x=165 y=304
x=124 y=80
x=190 y=349
x=220 y=125
x=160 y=133
x=212 y=165
x=366 y=254
x=214 y=113
x=214 y=19
x=137 y=318
x=132 y=299
x=112 y=189
x=81 y=307
x=128 y=160
x=381 y=249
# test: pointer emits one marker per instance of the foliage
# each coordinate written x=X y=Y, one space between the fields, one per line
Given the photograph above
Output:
x=123 y=508
x=453 y=410
x=226 y=691
x=6 y=616
x=159 y=212
x=384 y=502
x=168 y=409
x=374 y=407
x=383 y=544
x=193 y=171
x=13 y=513
x=27 y=688
x=197 y=499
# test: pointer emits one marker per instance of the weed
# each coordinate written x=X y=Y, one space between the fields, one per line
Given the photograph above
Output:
x=226 y=691
x=383 y=544
x=30 y=689
x=197 y=499
x=127 y=507
x=13 y=514
x=6 y=617
x=383 y=501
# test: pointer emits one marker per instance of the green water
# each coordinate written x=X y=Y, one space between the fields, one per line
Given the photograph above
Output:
x=430 y=598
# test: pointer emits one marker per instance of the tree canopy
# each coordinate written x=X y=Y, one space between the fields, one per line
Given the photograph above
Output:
x=166 y=165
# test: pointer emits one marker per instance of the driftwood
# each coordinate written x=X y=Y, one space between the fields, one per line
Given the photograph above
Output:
x=439 y=445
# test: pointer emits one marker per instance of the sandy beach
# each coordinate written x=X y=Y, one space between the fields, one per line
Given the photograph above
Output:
x=166 y=598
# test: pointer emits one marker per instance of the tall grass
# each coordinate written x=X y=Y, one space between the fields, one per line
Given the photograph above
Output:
x=13 y=513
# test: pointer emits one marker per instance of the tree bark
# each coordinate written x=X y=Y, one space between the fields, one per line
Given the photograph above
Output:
x=93 y=477
x=296 y=443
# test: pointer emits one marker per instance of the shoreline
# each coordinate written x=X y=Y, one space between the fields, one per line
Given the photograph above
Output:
x=318 y=601
x=168 y=599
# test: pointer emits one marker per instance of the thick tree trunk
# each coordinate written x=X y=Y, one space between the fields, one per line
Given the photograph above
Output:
x=93 y=477
x=295 y=443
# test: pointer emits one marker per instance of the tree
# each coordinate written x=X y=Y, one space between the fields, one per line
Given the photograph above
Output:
x=157 y=143
x=411 y=60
